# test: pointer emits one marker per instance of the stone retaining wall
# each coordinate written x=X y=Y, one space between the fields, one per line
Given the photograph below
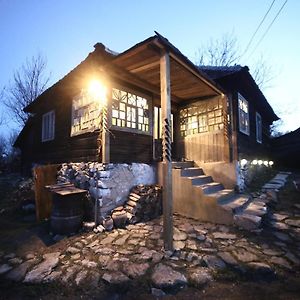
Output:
x=109 y=184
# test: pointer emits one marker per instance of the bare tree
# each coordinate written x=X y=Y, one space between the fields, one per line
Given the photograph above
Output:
x=27 y=84
x=225 y=51
x=263 y=73
x=222 y=51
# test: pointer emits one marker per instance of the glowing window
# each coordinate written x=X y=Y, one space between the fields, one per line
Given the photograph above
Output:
x=85 y=114
x=203 y=116
x=130 y=110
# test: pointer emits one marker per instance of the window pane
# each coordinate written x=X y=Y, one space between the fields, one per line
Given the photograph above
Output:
x=132 y=108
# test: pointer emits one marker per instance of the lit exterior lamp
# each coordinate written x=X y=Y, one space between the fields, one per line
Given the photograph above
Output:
x=244 y=162
x=98 y=91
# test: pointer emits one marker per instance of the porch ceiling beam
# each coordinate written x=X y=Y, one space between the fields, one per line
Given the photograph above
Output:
x=186 y=66
x=167 y=160
x=130 y=53
x=145 y=67
x=120 y=73
x=196 y=99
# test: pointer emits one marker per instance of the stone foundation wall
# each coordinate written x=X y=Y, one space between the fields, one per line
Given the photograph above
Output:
x=109 y=184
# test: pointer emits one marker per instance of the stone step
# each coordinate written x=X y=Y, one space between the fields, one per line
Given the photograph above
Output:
x=182 y=164
x=247 y=221
x=256 y=209
x=236 y=203
x=199 y=180
x=191 y=172
x=212 y=187
x=222 y=194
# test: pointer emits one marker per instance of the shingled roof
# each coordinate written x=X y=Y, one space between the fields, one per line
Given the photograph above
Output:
x=240 y=77
x=216 y=72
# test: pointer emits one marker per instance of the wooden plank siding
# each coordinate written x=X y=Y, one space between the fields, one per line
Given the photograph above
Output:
x=247 y=146
x=130 y=147
x=206 y=147
x=125 y=146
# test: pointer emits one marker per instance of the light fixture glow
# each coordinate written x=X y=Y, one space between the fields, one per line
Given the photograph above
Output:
x=266 y=163
x=98 y=91
x=271 y=163
x=254 y=162
x=260 y=162
x=243 y=162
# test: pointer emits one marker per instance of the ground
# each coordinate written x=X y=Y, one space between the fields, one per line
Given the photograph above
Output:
x=211 y=261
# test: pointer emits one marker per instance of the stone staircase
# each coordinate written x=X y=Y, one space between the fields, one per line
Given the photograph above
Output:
x=198 y=196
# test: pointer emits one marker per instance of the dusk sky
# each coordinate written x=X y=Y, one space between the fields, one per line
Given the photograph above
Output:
x=65 y=32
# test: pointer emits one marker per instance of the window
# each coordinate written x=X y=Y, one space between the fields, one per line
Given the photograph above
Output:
x=130 y=110
x=204 y=116
x=243 y=115
x=258 y=128
x=48 y=126
x=85 y=114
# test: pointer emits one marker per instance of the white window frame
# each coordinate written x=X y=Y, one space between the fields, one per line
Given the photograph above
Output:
x=85 y=115
x=243 y=114
x=149 y=103
x=48 y=126
x=258 y=127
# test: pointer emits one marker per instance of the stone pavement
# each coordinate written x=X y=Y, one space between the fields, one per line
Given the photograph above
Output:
x=122 y=255
x=202 y=251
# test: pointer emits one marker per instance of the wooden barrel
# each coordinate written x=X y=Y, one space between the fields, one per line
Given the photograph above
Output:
x=67 y=213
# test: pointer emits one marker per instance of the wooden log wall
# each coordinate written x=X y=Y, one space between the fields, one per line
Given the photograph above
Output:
x=125 y=146
x=130 y=147
x=206 y=147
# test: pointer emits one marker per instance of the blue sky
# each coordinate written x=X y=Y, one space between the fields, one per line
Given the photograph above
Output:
x=65 y=32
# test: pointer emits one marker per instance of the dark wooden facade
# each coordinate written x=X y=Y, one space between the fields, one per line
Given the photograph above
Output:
x=237 y=80
x=211 y=145
x=138 y=69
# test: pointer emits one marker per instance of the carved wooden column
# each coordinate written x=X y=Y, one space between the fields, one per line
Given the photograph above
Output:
x=106 y=124
x=167 y=159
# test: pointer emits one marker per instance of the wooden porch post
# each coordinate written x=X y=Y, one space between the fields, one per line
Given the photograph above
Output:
x=165 y=91
x=106 y=122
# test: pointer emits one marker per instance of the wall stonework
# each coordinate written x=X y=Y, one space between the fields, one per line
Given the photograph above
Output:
x=110 y=184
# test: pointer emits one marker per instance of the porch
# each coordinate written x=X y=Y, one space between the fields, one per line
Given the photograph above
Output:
x=162 y=98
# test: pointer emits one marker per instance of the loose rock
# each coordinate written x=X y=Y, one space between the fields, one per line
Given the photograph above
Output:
x=115 y=277
x=213 y=262
x=164 y=277
x=199 y=276
x=43 y=269
x=5 y=268
x=19 y=273
x=134 y=270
